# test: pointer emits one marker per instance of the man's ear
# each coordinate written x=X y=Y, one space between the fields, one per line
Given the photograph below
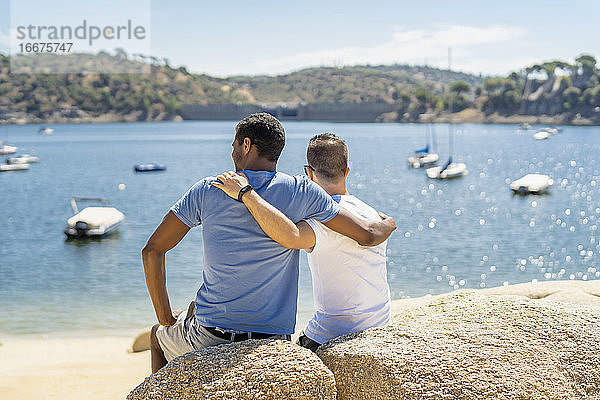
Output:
x=246 y=145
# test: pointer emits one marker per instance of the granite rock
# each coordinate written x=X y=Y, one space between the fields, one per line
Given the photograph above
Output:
x=466 y=345
x=571 y=291
x=253 y=369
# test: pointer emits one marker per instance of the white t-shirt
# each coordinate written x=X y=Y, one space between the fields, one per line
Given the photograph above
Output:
x=350 y=286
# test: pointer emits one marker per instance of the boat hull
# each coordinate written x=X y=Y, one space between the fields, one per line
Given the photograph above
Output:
x=22 y=160
x=532 y=184
x=149 y=167
x=424 y=161
x=14 y=167
x=454 y=170
x=94 y=222
x=74 y=233
x=4 y=150
x=541 y=135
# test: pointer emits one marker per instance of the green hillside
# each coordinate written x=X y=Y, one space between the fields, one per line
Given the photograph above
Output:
x=552 y=88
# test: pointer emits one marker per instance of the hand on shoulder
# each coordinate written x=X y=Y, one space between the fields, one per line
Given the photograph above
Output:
x=231 y=183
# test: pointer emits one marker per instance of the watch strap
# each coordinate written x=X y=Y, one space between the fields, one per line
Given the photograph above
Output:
x=243 y=190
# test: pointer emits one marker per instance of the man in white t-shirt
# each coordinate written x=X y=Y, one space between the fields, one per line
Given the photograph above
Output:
x=350 y=286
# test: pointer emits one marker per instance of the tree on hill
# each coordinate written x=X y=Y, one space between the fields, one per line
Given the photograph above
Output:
x=460 y=87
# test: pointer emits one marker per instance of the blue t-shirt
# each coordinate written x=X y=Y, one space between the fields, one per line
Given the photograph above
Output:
x=250 y=282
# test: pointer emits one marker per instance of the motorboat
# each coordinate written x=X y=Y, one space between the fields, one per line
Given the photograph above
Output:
x=22 y=159
x=532 y=183
x=45 y=131
x=542 y=135
x=13 y=167
x=449 y=171
x=6 y=149
x=149 y=167
x=93 y=222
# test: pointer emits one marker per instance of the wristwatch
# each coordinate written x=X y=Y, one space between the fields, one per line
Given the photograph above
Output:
x=243 y=190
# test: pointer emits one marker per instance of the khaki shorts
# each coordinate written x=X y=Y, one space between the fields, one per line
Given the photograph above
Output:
x=187 y=335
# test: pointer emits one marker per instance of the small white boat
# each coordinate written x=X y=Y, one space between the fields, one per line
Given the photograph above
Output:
x=423 y=160
x=552 y=131
x=541 y=135
x=22 y=159
x=13 y=167
x=149 y=167
x=532 y=183
x=93 y=222
x=46 y=131
x=6 y=149
x=524 y=126
x=449 y=171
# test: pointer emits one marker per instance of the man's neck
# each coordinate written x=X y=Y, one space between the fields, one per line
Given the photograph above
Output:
x=261 y=165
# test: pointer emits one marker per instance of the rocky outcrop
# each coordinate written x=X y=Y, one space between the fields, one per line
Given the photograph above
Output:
x=470 y=346
x=575 y=292
x=253 y=369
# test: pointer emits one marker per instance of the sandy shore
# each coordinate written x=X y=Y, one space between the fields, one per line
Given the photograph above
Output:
x=91 y=367
x=73 y=367
x=97 y=366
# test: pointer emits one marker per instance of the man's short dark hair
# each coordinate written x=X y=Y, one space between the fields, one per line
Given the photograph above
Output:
x=328 y=155
x=265 y=132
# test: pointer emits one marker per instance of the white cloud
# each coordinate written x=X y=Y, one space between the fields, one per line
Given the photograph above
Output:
x=415 y=47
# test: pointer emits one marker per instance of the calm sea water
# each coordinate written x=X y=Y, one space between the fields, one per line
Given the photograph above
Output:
x=467 y=233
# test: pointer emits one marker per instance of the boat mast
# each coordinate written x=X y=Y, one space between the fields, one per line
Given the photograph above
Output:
x=450 y=127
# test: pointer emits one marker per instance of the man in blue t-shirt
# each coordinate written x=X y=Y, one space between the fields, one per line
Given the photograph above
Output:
x=249 y=282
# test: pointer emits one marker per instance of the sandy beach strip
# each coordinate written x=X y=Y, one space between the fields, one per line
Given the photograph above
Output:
x=59 y=367
x=75 y=366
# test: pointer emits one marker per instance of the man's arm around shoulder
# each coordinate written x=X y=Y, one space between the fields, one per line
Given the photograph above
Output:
x=301 y=236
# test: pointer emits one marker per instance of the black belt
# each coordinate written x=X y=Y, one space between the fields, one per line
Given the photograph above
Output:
x=238 y=337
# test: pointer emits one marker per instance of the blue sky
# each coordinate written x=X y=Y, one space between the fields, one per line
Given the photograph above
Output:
x=271 y=37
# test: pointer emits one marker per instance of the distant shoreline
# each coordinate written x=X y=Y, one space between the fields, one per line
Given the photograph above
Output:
x=468 y=116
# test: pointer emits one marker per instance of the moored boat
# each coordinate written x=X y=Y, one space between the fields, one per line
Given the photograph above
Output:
x=524 y=126
x=149 y=167
x=541 y=135
x=13 y=167
x=22 y=159
x=45 y=131
x=93 y=222
x=6 y=149
x=449 y=171
x=423 y=160
x=532 y=183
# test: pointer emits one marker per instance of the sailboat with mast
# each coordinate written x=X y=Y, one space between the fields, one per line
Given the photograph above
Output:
x=450 y=169
x=424 y=158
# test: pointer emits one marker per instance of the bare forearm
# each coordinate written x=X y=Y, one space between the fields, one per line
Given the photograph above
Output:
x=156 y=282
x=380 y=231
x=364 y=232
